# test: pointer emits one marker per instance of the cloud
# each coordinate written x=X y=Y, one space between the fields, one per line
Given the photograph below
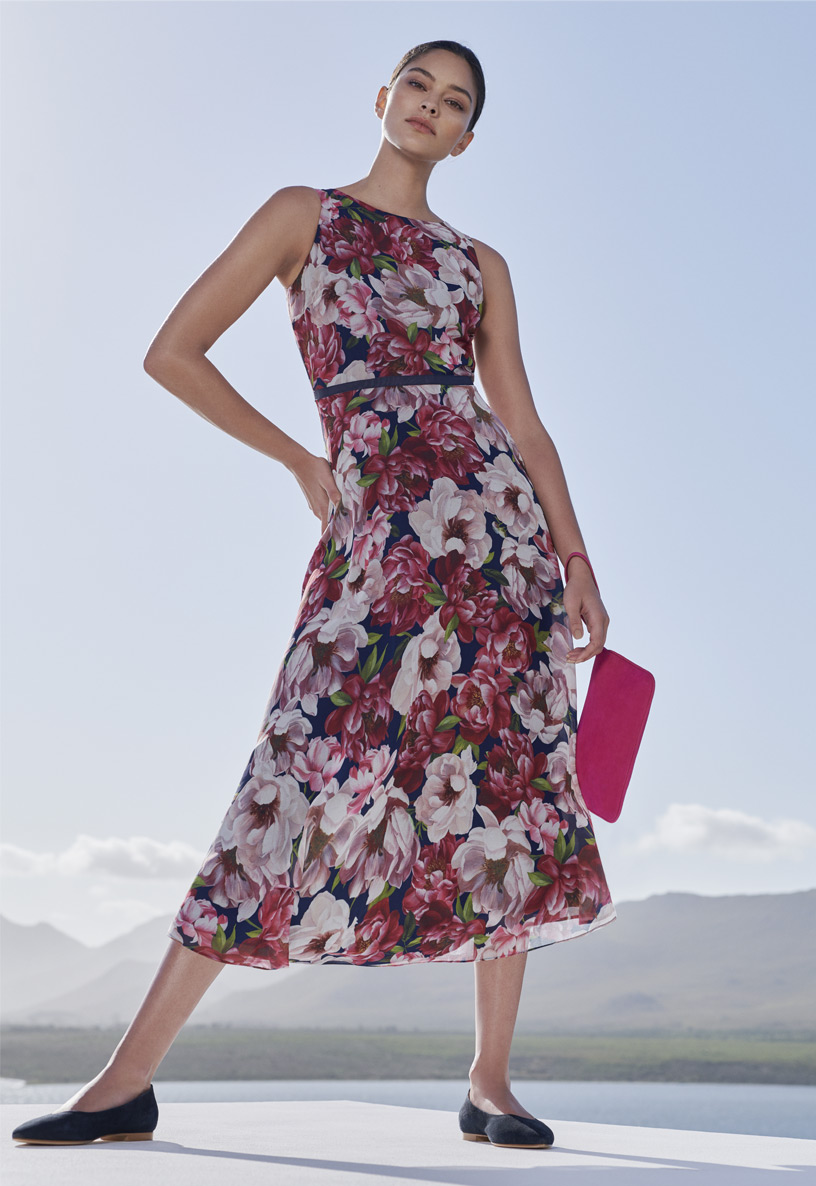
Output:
x=726 y=832
x=136 y=857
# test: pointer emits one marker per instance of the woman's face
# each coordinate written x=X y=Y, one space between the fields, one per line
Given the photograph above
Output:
x=436 y=89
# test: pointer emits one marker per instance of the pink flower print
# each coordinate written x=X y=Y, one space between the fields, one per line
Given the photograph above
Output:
x=541 y=699
x=362 y=434
x=318 y=665
x=452 y=520
x=481 y=702
x=356 y=307
x=229 y=882
x=542 y=823
x=396 y=352
x=379 y=931
x=369 y=543
x=428 y=664
x=433 y=878
x=412 y=296
x=530 y=574
x=286 y=736
x=323 y=930
x=507 y=642
x=443 y=932
x=509 y=777
x=262 y=821
x=317 y=850
x=379 y=847
x=457 y=269
x=493 y=864
x=457 y=454
x=422 y=737
x=199 y=920
x=322 y=345
x=362 y=719
x=318 y=764
x=405 y=569
x=448 y=797
x=510 y=497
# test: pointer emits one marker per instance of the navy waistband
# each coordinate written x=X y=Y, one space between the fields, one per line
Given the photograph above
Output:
x=438 y=377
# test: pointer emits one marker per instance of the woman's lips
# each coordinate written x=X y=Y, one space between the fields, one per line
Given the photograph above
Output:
x=421 y=127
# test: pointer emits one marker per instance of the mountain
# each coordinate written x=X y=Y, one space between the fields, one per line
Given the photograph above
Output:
x=674 y=961
x=49 y=978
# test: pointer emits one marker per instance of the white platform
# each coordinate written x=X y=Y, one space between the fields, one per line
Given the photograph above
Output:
x=342 y=1141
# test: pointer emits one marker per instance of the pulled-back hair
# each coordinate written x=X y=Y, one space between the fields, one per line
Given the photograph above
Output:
x=454 y=47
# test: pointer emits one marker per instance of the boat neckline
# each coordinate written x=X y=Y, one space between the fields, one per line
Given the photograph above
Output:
x=390 y=213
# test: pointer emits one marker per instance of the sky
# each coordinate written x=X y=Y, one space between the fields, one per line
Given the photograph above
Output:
x=643 y=169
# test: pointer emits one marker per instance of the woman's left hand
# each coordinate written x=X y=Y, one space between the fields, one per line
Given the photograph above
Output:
x=582 y=601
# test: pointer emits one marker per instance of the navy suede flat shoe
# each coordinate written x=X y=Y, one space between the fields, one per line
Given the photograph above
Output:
x=131 y=1121
x=504 y=1129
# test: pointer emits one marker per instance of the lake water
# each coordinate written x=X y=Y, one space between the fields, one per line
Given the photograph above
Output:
x=772 y=1110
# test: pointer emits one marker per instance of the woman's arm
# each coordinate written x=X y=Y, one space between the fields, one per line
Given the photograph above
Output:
x=273 y=243
x=503 y=380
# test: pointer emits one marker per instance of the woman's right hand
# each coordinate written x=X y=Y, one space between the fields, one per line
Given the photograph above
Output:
x=316 y=479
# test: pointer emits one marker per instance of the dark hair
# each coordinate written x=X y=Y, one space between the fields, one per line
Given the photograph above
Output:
x=454 y=47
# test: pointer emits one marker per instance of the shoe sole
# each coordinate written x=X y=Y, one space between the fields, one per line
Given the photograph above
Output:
x=113 y=1136
x=477 y=1136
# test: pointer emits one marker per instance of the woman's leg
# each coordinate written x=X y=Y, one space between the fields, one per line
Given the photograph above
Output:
x=498 y=991
x=180 y=982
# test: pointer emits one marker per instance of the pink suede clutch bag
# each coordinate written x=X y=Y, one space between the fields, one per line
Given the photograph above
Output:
x=610 y=729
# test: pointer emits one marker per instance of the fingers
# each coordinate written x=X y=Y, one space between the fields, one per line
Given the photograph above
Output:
x=598 y=624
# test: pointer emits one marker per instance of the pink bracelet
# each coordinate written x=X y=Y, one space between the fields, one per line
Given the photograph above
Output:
x=583 y=557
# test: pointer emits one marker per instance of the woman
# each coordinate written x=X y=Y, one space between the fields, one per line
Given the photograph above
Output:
x=412 y=794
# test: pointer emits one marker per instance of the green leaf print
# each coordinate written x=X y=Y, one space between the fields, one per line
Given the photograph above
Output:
x=409 y=928
x=198 y=881
x=372 y=638
x=448 y=722
x=367 y=479
x=541 y=784
x=434 y=361
x=385 y=442
x=436 y=595
x=356 y=400
x=451 y=626
x=387 y=891
x=540 y=878
x=461 y=744
x=354 y=268
x=340 y=698
x=560 y=850
x=411 y=332
x=496 y=576
x=371 y=664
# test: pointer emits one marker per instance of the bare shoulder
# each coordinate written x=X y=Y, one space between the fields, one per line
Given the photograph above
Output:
x=288 y=219
x=490 y=260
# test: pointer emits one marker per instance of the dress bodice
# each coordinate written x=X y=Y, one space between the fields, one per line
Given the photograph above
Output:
x=382 y=294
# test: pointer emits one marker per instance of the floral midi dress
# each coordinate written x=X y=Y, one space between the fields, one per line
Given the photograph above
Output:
x=412 y=795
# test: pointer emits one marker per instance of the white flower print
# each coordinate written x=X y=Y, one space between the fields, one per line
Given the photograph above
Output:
x=531 y=575
x=413 y=295
x=325 y=927
x=428 y=662
x=456 y=268
x=541 y=700
x=379 y=847
x=448 y=795
x=355 y=307
x=452 y=520
x=510 y=497
x=493 y=864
